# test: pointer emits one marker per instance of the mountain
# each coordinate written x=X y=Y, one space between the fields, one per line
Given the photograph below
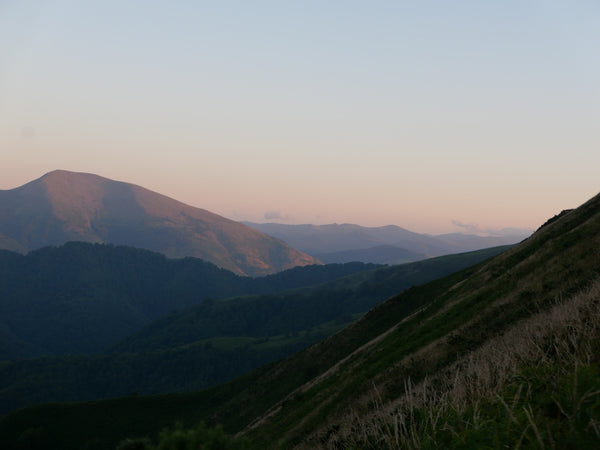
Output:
x=82 y=297
x=503 y=354
x=335 y=238
x=473 y=242
x=66 y=206
x=381 y=254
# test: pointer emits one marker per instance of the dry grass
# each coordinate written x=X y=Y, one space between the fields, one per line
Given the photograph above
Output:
x=563 y=336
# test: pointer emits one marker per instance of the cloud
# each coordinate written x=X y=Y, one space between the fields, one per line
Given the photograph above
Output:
x=276 y=215
x=472 y=228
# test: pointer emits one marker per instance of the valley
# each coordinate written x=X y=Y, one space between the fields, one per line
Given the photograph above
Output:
x=115 y=320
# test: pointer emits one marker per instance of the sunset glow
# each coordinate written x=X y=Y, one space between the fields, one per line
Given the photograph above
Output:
x=434 y=116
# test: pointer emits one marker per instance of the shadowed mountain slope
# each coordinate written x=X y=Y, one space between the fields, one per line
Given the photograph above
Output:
x=327 y=395
x=191 y=349
x=82 y=297
x=66 y=206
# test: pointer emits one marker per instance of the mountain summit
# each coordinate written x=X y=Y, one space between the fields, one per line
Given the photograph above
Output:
x=66 y=206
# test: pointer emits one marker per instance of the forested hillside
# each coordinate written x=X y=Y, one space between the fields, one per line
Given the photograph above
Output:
x=81 y=298
x=218 y=339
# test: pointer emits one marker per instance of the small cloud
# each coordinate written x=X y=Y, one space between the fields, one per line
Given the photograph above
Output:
x=276 y=215
x=472 y=228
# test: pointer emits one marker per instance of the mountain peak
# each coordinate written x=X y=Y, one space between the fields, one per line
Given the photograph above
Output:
x=60 y=175
x=62 y=206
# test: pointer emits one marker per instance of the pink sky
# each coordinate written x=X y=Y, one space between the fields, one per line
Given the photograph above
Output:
x=422 y=115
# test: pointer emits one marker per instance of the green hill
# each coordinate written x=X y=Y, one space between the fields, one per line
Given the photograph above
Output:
x=502 y=354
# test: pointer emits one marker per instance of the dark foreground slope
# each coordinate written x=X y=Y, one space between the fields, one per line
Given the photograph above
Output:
x=66 y=206
x=327 y=393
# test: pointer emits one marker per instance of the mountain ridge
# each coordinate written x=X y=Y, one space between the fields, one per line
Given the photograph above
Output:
x=331 y=239
x=380 y=254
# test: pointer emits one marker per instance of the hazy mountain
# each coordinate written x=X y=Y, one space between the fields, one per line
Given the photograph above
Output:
x=381 y=254
x=66 y=206
x=473 y=242
x=324 y=239
x=502 y=354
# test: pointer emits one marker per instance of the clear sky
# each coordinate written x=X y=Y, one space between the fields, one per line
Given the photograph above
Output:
x=423 y=114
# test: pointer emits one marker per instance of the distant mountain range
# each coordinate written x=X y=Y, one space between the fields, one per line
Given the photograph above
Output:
x=383 y=245
x=66 y=206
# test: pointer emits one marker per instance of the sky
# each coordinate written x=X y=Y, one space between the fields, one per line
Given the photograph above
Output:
x=435 y=116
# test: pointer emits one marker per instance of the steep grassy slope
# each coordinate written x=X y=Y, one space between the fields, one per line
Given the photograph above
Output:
x=536 y=385
x=459 y=316
x=66 y=206
x=315 y=397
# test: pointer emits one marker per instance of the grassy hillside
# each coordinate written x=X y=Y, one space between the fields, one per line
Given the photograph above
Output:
x=458 y=317
x=531 y=311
